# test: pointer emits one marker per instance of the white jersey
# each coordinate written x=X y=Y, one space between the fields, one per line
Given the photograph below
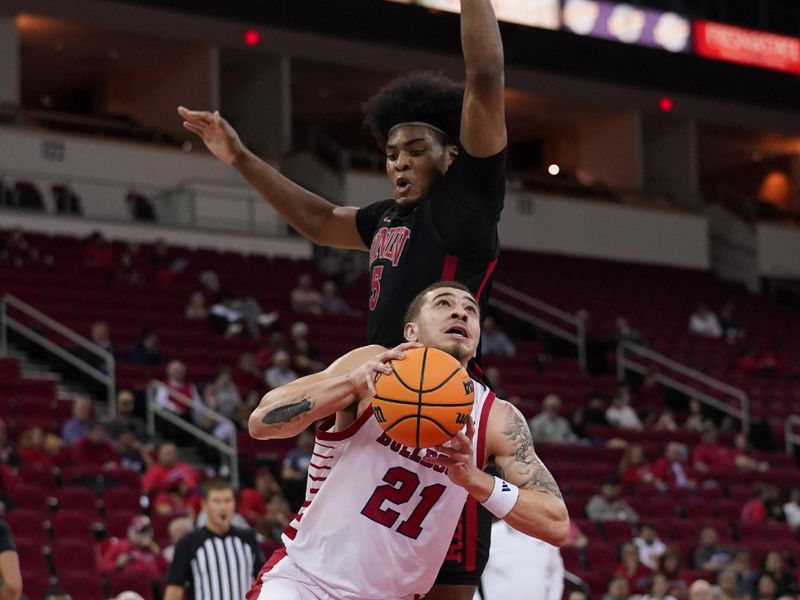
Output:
x=378 y=520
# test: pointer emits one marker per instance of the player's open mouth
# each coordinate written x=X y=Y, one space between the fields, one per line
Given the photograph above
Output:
x=402 y=185
x=457 y=331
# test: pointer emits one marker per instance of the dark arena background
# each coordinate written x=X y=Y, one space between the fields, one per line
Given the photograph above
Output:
x=645 y=314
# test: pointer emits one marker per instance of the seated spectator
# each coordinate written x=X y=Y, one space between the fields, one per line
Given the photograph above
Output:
x=709 y=454
x=744 y=461
x=8 y=452
x=234 y=315
x=705 y=323
x=650 y=546
x=101 y=336
x=493 y=374
x=726 y=588
x=228 y=396
x=620 y=414
x=665 y=422
x=710 y=555
x=576 y=538
x=138 y=553
x=177 y=528
x=304 y=298
x=785 y=580
x=133 y=456
x=168 y=468
x=140 y=207
x=128 y=269
x=765 y=589
x=175 y=499
x=673 y=468
x=77 y=427
x=196 y=308
x=177 y=394
x=94 y=451
x=764 y=505
x=333 y=303
x=34 y=449
x=247 y=375
x=608 y=506
x=494 y=342
x=792 y=510
x=98 y=253
x=701 y=590
x=634 y=468
x=592 y=415
x=146 y=351
x=670 y=566
x=220 y=430
x=696 y=420
x=745 y=575
x=280 y=373
x=126 y=419
x=18 y=250
x=617 y=589
x=304 y=355
x=549 y=426
x=623 y=332
x=657 y=590
x=633 y=570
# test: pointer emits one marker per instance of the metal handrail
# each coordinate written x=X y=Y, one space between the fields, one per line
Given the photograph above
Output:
x=578 y=337
x=624 y=363
x=792 y=438
x=227 y=449
x=7 y=322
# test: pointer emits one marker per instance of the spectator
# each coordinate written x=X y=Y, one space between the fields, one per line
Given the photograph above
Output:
x=294 y=470
x=98 y=254
x=221 y=430
x=304 y=298
x=101 y=336
x=710 y=555
x=705 y=323
x=632 y=569
x=577 y=595
x=744 y=461
x=333 y=303
x=576 y=538
x=95 y=451
x=167 y=468
x=246 y=408
x=10 y=576
x=162 y=267
x=608 y=506
x=695 y=420
x=634 y=467
x=669 y=565
x=196 y=308
x=493 y=374
x=177 y=394
x=785 y=581
x=34 y=449
x=228 y=396
x=549 y=426
x=304 y=355
x=765 y=588
x=617 y=589
x=762 y=506
x=280 y=373
x=175 y=500
x=701 y=590
x=673 y=468
x=792 y=510
x=132 y=454
x=620 y=414
x=623 y=332
x=658 y=589
x=650 y=546
x=247 y=375
x=146 y=351
x=665 y=422
x=128 y=269
x=494 y=342
x=77 y=427
x=140 y=207
x=234 y=315
x=726 y=588
x=177 y=528
x=745 y=575
x=264 y=506
x=126 y=419
x=592 y=415
x=138 y=553
x=709 y=454
x=8 y=452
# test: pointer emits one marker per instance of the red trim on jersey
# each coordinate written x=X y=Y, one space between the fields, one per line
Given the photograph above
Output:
x=335 y=436
x=324 y=446
x=312 y=478
x=273 y=560
x=314 y=490
x=290 y=532
x=306 y=504
x=471 y=534
x=321 y=455
x=489 y=271
x=449 y=268
x=318 y=466
x=481 y=443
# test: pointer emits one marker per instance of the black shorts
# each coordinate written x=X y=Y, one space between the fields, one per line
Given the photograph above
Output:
x=469 y=550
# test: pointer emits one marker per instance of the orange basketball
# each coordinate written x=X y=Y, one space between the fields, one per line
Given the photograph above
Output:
x=425 y=400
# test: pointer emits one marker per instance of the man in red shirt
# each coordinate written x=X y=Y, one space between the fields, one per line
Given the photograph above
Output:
x=709 y=454
x=167 y=468
x=138 y=552
x=95 y=451
x=674 y=469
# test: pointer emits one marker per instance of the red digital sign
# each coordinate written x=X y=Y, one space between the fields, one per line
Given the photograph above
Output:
x=747 y=47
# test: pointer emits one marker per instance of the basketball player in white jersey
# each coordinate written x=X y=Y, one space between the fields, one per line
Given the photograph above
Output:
x=379 y=516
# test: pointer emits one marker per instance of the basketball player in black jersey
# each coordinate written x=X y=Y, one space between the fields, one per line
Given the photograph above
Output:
x=445 y=156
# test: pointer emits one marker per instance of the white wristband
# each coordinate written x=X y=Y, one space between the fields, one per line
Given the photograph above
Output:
x=502 y=499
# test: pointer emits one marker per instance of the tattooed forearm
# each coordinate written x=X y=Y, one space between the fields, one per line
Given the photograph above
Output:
x=525 y=463
x=287 y=413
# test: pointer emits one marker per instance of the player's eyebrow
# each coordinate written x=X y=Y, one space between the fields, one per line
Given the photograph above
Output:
x=408 y=143
x=442 y=294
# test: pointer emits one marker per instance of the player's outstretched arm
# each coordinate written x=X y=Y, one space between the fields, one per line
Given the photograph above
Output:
x=315 y=218
x=286 y=411
x=483 y=120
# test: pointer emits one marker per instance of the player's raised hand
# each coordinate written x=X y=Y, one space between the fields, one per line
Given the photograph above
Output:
x=363 y=378
x=217 y=134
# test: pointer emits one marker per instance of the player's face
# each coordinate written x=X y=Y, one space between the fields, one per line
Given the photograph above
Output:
x=450 y=321
x=415 y=159
x=220 y=507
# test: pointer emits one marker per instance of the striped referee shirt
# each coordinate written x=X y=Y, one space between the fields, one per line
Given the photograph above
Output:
x=216 y=567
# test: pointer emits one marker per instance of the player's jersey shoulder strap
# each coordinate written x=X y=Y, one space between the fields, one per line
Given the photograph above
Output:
x=484 y=400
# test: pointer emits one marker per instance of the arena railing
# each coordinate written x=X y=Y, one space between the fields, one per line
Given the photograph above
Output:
x=229 y=449
x=792 y=439
x=541 y=315
x=656 y=363
x=47 y=326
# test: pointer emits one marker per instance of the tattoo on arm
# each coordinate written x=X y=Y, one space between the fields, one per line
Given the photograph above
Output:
x=287 y=413
x=527 y=464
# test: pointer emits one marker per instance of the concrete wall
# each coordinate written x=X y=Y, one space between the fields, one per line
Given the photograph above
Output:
x=778 y=250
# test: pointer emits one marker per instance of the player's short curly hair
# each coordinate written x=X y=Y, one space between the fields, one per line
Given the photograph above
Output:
x=422 y=96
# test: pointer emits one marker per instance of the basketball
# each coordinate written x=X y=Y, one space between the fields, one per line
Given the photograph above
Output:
x=425 y=400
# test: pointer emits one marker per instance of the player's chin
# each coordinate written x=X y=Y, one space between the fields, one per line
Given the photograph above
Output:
x=458 y=349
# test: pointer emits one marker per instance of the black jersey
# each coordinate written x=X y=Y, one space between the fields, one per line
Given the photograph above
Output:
x=216 y=567
x=450 y=235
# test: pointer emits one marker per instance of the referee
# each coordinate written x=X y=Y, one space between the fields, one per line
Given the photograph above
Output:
x=11 y=586
x=218 y=561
